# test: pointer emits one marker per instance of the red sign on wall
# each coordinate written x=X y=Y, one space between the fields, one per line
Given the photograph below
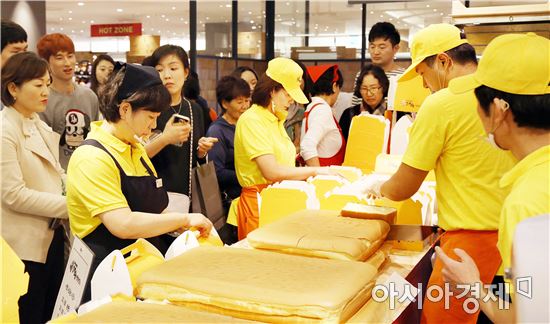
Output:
x=115 y=30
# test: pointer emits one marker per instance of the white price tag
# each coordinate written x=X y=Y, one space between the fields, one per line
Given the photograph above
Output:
x=74 y=279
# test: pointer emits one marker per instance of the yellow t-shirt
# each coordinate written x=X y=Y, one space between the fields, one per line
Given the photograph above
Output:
x=93 y=180
x=447 y=135
x=529 y=196
x=259 y=132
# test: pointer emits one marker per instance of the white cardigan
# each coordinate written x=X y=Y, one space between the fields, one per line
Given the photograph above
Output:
x=32 y=184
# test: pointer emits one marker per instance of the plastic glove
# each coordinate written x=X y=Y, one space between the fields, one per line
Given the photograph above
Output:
x=370 y=186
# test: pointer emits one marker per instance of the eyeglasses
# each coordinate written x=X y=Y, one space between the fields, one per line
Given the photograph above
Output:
x=371 y=90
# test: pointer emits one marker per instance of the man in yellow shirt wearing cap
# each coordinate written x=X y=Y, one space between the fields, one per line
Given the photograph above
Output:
x=447 y=137
x=512 y=88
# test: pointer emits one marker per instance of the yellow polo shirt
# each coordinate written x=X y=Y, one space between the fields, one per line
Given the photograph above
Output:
x=93 y=180
x=259 y=132
x=529 y=197
x=448 y=137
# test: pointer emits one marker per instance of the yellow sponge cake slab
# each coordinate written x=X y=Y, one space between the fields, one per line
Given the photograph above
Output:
x=260 y=285
x=321 y=234
x=134 y=312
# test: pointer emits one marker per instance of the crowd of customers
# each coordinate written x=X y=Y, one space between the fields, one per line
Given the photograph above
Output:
x=114 y=162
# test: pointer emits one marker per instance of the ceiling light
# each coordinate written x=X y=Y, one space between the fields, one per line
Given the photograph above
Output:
x=372 y=12
x=70 y=11
x=288 y=3
x=427 y=6
x=53 y=28
x=70 y=18
x=173 y=8
x=60 y=18
x=252 y=21
x=83 y=21
x=80 y=4
x=228 y=6
x=167 y=19
x=435 y=9
x=207 y=18
x=381 y=16
x=119 y=10
x=253 y=27
x=81 y=31
x=91 y=21
x=162 y=16
x=250 y=12
x=441 y=14
x=181 y=19
x=61 y=28
x=148 y=16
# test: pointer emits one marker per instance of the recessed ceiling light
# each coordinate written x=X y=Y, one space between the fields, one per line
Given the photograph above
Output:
x=252 y=21
x=228 y=6
x=60 y=18
x=173 y=8
x=435 y=9
x=83 y=21
x=61 y=28
x=441 y=14
x=167 y=19
x=91 y=21
x=181 y=19
x=253 y=27
x=148 y=16
x=207 y=18
x=70 y=18
x=427 y=6
x=381 y=16
x=80 y=4
x=250 y=12
x=372 y=12
x=81 y=31
x=119 y=10
x=70 y=11
x=162 y=16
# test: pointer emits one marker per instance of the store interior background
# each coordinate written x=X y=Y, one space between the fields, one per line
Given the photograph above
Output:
x=313 y=31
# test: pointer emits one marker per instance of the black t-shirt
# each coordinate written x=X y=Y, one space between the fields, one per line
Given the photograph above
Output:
x=172 y=162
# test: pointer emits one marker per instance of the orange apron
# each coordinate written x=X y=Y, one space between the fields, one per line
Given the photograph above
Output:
x=482 y=247
x=248 y=211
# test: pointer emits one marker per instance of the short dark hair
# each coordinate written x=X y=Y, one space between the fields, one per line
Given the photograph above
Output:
x=241 y=69
x=230 y=87
x=462 y=54
x=262 y=92
x=386 y=31
x=93 y=78
x=376 y=72
x=323 y=85
x=532 y=111
x=12 y=33
x=168 y=49
x=21 y=68
x=155 y=98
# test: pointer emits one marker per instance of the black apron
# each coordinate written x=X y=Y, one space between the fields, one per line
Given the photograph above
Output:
x=143 y=195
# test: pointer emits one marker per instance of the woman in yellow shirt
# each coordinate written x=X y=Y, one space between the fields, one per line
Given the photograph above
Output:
x=114 y=195
x=263 y=151
x=514 y=107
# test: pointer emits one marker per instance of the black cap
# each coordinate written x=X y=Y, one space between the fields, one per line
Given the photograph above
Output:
x=137 y=77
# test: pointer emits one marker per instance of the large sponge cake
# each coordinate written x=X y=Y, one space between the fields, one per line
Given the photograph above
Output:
x=321 y=234
x=260 y=285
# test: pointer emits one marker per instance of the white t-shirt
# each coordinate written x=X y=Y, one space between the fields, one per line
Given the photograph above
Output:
x=323 y=138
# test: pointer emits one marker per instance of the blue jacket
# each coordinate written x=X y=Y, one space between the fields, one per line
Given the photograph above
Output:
x=223 y=157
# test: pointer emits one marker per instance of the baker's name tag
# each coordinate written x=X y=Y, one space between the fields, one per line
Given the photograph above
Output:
x=159 y=183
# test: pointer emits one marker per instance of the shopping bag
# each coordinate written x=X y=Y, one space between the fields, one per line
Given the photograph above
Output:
x=205 y=194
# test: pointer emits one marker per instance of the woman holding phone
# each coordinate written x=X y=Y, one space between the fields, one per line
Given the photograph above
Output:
x=182 y=143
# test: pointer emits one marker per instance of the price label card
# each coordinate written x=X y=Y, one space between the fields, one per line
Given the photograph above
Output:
x=74 y=279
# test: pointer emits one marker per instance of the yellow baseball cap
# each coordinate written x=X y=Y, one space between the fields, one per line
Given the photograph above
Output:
x=289 y=74
x=432 y=40
x=513 y=63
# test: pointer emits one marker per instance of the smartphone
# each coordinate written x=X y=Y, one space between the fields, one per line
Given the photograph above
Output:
x=181 y=119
